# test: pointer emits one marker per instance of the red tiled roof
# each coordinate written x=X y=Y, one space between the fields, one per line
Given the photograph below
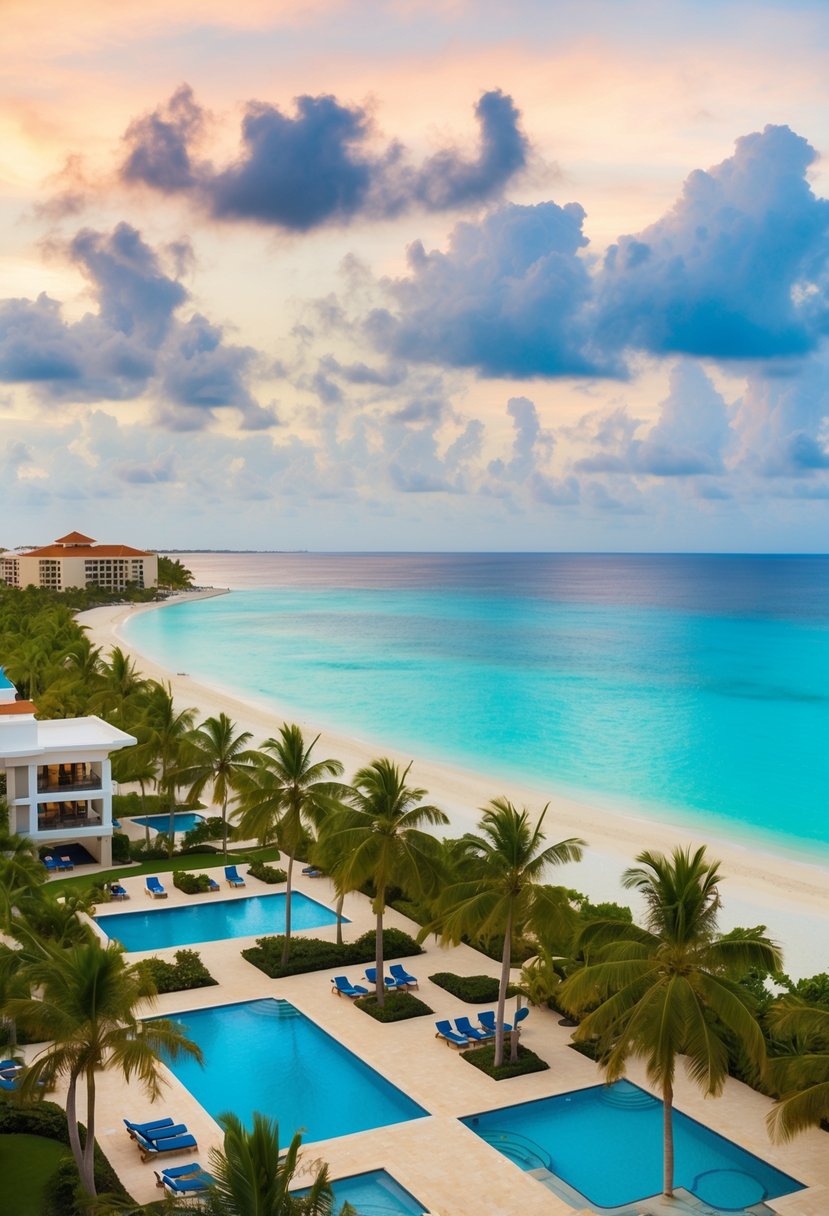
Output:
x=17 y=707
x=75 y=538
x=90 y=551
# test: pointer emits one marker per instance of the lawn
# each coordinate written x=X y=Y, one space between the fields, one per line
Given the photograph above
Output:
x=26 y=1165
x=191 y=861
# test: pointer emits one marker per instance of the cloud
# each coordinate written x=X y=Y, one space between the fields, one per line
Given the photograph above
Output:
x=316 y=166
x=736 y=270
x=782 y=422
x=505 y=298
x=531 y=444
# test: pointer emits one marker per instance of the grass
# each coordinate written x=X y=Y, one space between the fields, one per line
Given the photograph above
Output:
x=27 y=1164
x=79 y=883
x=484 y=1058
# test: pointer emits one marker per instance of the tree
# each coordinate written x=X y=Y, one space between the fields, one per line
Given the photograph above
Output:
x=214 y=755
x=253 y=1177
x=500 y=891
x=173 y=573
x=801 y=1076
x=164 y=730
x=21 y=874
x=121 y=686
x=281 y=794
x=671 y=988
x=377 y=839
x=85 y=1006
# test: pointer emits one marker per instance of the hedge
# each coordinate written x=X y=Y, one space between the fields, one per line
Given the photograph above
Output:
x=191 y=884
x=266 y=873
x=472 y=989
x=188 y=971
x=484 y=1059
x=397 y=1007
x=120 y=848
x=314 y=954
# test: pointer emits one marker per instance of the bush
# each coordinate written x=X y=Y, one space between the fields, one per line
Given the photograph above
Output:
x=208 y=829
x=396 y=1008
x=156 y=852
x=314 y=954
x=266 y=873
x=120 y=848
x=191 y=884
x=484 y=1058
x=188 y=971
x=472 y=989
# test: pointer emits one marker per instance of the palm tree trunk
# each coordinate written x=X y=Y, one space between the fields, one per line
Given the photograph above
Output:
x=286 y=948
x=668 y=1137
x=224 y=827
x=87 y=1170
x=72 y=1122
x=380 y=986
x=502 y=993
x=340 y=902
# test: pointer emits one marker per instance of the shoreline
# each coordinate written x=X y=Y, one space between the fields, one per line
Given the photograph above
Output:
x=788 y=893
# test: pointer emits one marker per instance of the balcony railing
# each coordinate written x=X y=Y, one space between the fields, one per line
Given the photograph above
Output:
x=66 y=785
x=68 y=815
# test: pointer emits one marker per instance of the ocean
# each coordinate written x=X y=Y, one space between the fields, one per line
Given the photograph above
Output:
x=692 y=687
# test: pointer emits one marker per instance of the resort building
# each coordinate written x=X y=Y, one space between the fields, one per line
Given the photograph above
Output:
x=58 y=776
x=76 y=560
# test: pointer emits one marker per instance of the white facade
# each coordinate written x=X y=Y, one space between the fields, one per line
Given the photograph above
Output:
x=77 y=561
x=58 y=776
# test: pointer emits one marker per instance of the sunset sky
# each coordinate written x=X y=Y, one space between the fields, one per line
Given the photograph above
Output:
x=415 y=275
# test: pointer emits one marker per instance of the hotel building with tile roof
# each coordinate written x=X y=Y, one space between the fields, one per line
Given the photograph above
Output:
x=76 y=560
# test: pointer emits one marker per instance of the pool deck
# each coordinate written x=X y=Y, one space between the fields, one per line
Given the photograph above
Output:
x=444 y=1164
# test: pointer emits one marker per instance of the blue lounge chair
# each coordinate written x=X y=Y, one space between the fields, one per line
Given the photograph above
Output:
x=153 y=887
x=371 y=976
x=487 y=1019
x=401 y=976
x=232 y=878
x=184 y=1184
x=174 y=1144
x=445 y=1032
x=344 y=987
x=179 y=1171
x=464 y=1026
x=116 y=891
x=9 y=1067
x=50 y=863
x=212 y=885
x=311 y=872
x=9 y=1084
x=145 y=1129
x=157 y=1135
x=66 y=863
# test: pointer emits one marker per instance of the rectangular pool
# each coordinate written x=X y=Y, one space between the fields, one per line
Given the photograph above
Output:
x=267 y=1056
x=253 y=916
x=606 y=1142
x=183 y=821
x=374 y=1194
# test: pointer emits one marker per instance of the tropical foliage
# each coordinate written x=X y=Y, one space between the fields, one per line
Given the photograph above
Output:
x=213 y=756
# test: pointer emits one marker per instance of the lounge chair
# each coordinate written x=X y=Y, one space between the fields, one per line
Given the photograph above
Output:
x=212 y=885
x=445 y=1032
x=66 y=863
x=9 y=1084
x=371 y=976
x=8 y=1068
x=487 y=1019
x=343 y=987
x=153 y=887
x=186 y=1183
x=464 y=1026
x=232 y=878
x=51 y=863
x=401 y=976
x=179 y=1171
x=174 y=1144
x=116 y=891
x=146 y=1129
x=311 y=872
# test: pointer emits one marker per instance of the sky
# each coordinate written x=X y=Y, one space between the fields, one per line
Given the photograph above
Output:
x=415 y=274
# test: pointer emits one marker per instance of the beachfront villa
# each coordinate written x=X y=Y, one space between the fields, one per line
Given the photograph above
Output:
x=76 y=560
x=58 y=777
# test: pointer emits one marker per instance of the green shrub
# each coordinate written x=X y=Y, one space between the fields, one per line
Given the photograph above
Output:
x=188 y=971
x=314 y=954
x=266 y=873
x=484 y=1058
x=472 y=989
x=120 y=848
x=191 y=884
x=156 y=852
x=396 y=1008
x=208 y=829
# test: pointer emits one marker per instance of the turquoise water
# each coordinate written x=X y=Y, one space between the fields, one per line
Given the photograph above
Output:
x=183 y=821
x=297 y=1074
x=213 y=921
x=621 y=1127
x=374 y=1194
x=698 y=686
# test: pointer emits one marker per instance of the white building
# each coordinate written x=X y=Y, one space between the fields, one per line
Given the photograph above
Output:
x=76 y=560
x=58 y=776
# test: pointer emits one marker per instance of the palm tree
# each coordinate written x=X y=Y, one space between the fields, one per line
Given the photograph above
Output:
x=85 y=1006
x=802 y=1077
x=669 y=989
x=214 y=755
x=281 y=794
x=377 y=839
x=164 y=731
x=120 y=687
x=252 y=1177
x=500 y=891
x=21 y=874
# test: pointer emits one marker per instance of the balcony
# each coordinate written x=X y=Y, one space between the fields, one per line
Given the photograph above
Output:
x=58 y=816
x=67 y=778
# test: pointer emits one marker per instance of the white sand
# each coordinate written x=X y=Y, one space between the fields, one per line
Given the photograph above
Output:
x=784 y=892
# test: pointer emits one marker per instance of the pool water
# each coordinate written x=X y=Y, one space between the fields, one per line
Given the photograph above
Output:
x=215 y=921
x=606 y=1142
x=267 y=1056
x=183 y=821
x=374 y=1194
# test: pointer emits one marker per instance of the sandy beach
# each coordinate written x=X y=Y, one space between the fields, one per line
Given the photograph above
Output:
x=788 y=894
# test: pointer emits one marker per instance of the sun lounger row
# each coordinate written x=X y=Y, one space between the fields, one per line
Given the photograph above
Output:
x=398 y=980
x=58 y=863
x=184 y=1179
x=153 y=887
x=464 y=1034
x=160 y=1136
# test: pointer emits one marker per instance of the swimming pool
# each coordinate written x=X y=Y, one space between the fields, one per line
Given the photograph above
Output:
x=214 y=921
x=183 y=821
x=606 y=1142
x=374 y=1194
x=267 y=1056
